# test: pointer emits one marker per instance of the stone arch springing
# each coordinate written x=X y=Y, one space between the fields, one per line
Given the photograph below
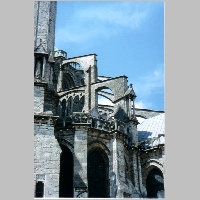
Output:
x=66 y=173
x=75 y=65
x=105 y=92
x=76 y=72
x=105 y=97
x=98 y=144
x=150 y=164
x=98 y=173
x=67 y=81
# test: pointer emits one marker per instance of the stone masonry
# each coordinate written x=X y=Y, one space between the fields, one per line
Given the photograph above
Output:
x=83 y=149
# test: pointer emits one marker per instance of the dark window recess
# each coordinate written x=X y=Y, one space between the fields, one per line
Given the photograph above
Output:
x=66 y=173
x=155 y=184
x=39 y=189
x=97 y=176
x=63 y=108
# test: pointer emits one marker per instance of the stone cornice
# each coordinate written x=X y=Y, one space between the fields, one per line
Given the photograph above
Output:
x=40 y=83
x=45 y=119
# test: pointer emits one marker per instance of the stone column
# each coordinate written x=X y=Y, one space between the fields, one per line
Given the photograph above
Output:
x=140 y=173
x=35 y=67
x=94 y=101
x=94 y=74
x=94 y=71
x=129 y=110
x=38 y=69
x=135 y=171
x=114 y=174
x=50 y=73
x=80 y=161
x=43 y=68
x=117 y=186
x=59 y=88
x=133 y=107
x=87 y=91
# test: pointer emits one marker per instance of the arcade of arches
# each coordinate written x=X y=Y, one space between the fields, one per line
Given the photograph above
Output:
x=98 y=176
x=97 y=172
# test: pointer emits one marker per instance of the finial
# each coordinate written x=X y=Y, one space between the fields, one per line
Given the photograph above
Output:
x=131 y=85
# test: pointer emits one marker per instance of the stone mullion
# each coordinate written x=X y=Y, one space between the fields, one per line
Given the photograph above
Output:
x=43 y=68
x=87 y=92
x=114 y=179
x=60 y=80
x=118 y=169
x=133 y=107
x=135 y=171
x=140 y=174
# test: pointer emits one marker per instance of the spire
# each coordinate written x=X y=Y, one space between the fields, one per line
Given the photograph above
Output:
x=130 y=91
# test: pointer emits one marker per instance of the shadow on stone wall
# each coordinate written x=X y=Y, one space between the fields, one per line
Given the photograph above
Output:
x=121 y=115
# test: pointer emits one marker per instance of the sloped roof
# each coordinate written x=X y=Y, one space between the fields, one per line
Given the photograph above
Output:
x=153 y=127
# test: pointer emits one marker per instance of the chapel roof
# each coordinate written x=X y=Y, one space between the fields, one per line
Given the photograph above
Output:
x=153 y=127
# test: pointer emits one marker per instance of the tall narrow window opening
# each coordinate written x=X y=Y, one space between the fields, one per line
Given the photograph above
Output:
x=98 y=184
x=39 y=191
x=66 y=173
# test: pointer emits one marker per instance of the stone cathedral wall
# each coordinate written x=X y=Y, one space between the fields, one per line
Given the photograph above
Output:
x=46 y=158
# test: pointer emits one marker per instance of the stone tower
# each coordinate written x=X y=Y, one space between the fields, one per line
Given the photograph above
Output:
x=44 y=39
x=44 y=24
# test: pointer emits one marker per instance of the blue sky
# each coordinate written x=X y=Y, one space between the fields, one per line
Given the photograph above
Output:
x=128 y=38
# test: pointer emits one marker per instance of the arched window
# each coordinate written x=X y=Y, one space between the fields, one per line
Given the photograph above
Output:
x=155 y=184
x=67 y=82
x=98 y=184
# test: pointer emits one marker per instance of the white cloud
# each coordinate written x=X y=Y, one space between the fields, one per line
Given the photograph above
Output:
x=105 y=20
x=151 y=83
x=140 y=105
x=143 y=104
x=115 y=14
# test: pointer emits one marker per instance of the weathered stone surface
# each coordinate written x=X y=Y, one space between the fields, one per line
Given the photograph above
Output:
x=68 y=120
